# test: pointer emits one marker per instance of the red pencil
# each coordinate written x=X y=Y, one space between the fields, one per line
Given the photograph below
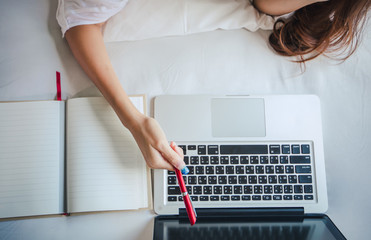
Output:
x=186 y=198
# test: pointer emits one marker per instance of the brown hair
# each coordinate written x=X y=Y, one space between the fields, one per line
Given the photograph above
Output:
x=330 y=28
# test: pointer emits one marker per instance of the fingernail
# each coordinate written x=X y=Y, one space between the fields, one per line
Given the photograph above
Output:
x=185 y=170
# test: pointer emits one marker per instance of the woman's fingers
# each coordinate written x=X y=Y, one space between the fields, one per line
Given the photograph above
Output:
x=174 y=157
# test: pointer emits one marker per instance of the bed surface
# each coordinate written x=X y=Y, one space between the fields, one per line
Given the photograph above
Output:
x=232 y=62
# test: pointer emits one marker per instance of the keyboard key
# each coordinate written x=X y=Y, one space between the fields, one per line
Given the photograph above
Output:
x=293 y=179
x=247 y=189
x=267 y=197
x=200 y=170
x=240 y=169
x=242 y=179
x=219 y=169
x=274 y=149
x=214 y=160
x=170 y=173
x=295 y=149
x=287 y=197
x=237 y=189
x=273 y=159
x=282 y=179
x=308 y=197
x=256 y=198
x=171 y=180
x=194 y=198
x=289 y=169
x=300 y=159
x=194 y=160
x=189 y=189
x=191 y=170
x=211 y=179
x=204 y=160
x=202 y=180
x=217 y=189
x=244 y=160
x=224 y=160
x=212 y=149
x=204 y=198
x=277 y=197
x=308 y=189
x=201 y=149
x=287 y=188
x=191 y=147
x=222 y=179
x=180 y=199
x=298 y=197
x=279 y=169
x=250 y=170
x=254 y=160
x=285 y=149
x=209 y=169
x=305 y=149
x=262 y=179
x=186 y=160
x=303 y=169
x=235 y=198
x=229 y=169
x=174 y=190
x=305 y=179
x=224 y=198
x=253 y=180
x=232 y=179
x=192 y=180
x=298 y=189
x=208 y=190
x=263 y=159
x=197 y=190
x=214 y=198
x=259 y=169
x=234 y=159
x=246 y=198
x=272 y=179
x=284 y=159
x=268 y=189
x=183 y=147
x=269 y=169
x=278 y=189
x=171 y=198
x=243 y=149
x=258 y=189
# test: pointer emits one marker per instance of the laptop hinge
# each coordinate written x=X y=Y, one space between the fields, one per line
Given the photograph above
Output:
x=245 y=212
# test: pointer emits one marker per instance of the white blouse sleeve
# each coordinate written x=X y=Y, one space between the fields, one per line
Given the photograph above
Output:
x=72 y=13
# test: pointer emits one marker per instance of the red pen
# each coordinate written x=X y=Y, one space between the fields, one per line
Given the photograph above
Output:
x=186 y=198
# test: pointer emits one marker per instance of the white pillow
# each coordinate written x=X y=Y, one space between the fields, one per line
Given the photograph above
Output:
x=144 y=19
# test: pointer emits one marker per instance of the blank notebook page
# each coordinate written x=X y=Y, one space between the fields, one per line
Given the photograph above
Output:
x=105 y=168
x=31 y=158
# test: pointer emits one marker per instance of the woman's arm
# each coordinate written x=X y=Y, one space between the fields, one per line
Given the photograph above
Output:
x=86 y=43
x=280 y=7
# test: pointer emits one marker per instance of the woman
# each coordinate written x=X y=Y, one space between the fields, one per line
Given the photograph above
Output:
x=316 y=27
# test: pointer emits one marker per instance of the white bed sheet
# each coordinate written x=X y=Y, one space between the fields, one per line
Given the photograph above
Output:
x=220 y=62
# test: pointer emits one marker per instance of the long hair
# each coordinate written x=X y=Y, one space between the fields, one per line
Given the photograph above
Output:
x=331 y=28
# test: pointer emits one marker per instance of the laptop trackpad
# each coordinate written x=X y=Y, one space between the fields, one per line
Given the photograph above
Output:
x=238 y=117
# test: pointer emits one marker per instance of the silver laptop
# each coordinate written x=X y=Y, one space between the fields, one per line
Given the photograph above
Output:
x=244 y=152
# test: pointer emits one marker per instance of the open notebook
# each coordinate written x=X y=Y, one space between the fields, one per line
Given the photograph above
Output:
x=73 y=156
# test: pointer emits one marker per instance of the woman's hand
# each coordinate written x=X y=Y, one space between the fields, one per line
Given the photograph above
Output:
x=155 y=147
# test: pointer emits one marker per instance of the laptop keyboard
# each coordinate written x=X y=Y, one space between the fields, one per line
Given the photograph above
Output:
x=256 y=172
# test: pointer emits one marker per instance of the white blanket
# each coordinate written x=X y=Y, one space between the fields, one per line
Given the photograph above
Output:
x=144 y=19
